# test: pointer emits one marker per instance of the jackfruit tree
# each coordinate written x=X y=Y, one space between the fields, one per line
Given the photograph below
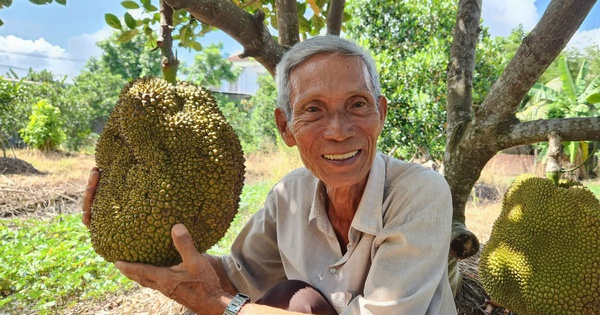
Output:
x=543 y=255
x=167 y=155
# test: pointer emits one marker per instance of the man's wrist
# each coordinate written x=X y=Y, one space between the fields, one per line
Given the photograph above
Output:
x=214 y=303
x=236 y=304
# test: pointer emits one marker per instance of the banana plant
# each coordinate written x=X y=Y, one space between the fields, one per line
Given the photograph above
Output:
x=565 y=97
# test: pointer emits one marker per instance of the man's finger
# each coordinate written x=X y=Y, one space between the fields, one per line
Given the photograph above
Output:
x=94 y=177
x=141 y=273
x=183 y=242
x=88 y=196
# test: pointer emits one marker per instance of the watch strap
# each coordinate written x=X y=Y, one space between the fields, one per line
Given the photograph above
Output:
x=236 y=304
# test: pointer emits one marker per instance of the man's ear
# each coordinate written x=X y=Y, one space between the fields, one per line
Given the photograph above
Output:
x=284 y=128
x=383 y=108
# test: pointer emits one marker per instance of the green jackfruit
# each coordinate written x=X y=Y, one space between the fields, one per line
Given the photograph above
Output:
x=167 y=155
x=543 y=255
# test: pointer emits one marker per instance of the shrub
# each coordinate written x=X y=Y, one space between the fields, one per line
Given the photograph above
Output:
x=44 y=130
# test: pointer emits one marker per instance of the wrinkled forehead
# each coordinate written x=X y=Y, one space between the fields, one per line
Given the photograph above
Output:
x=330 y=65
x=329 y=78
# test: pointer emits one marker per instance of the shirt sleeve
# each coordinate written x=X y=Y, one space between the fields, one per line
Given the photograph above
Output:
x=409 y=271
x=254 y=264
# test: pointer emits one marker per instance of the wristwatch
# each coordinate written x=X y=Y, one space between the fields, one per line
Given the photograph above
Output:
x=236 y=304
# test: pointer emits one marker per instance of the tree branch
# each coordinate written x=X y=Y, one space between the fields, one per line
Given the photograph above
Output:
x=287 y=22
x=247 y=29
x=569 y=129
x=462 y=63
x=335 y=17
x=537 y=51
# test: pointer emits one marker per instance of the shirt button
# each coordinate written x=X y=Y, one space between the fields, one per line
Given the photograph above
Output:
x=332 y=270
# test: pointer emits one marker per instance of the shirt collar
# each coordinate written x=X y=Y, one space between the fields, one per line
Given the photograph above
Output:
x=369 y=215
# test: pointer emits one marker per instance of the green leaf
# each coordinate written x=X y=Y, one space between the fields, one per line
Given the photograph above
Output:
x=127 y=36
x=63 y=2
x=303 y=24
x=113 y=21
x=594 y=98
x=183 y=35
x=592 y=88
x=197 y=46
x=571 y=147
x=301 y=7
x=148 y=30
x=6 y=300
x=131 y=5
x=5 y=3
x=148 y=6
x=130 y=21
x=40 y=1
x=1 y=23
x=581 y=108
x=569 y=86
x=580 y=80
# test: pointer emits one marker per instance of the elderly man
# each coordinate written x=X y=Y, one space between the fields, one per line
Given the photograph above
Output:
x=355 y=232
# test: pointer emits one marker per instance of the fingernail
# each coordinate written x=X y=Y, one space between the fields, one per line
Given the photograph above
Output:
x=179 y=229
x=118 y=265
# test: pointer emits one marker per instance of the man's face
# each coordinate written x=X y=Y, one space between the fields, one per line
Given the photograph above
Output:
x=336 y=120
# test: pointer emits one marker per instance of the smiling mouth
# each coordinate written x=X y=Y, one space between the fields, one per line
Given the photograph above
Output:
x=337 y=157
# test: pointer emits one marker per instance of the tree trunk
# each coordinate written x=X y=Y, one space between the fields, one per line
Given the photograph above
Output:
x=335 y=17
x=287 y=22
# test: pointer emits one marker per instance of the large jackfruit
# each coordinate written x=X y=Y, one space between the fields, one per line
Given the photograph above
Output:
x=543 y=255
x=167 y=155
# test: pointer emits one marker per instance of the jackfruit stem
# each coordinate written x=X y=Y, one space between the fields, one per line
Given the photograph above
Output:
x=554 y=177
x=553 y=170
x=169 y=70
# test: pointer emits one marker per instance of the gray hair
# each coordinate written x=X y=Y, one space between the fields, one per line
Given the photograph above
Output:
x=320 y=44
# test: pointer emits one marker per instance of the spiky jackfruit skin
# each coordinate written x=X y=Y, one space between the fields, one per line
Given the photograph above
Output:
x=167 y=155
x=543 y=255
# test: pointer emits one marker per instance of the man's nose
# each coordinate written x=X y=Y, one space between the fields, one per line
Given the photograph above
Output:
x=340 y=127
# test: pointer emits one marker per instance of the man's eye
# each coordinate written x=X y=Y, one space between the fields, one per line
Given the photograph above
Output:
x=358 y=104
x=312 y=109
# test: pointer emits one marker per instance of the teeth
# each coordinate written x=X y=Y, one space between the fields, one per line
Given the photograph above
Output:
x=341 y=156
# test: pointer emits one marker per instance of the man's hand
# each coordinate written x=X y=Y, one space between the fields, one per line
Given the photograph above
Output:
x=88 y=196
x=193 y=283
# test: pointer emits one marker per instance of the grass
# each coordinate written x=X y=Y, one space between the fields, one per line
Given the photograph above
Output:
x=50 y=265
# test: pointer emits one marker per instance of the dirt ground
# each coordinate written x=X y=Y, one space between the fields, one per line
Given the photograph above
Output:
x=54 y=184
